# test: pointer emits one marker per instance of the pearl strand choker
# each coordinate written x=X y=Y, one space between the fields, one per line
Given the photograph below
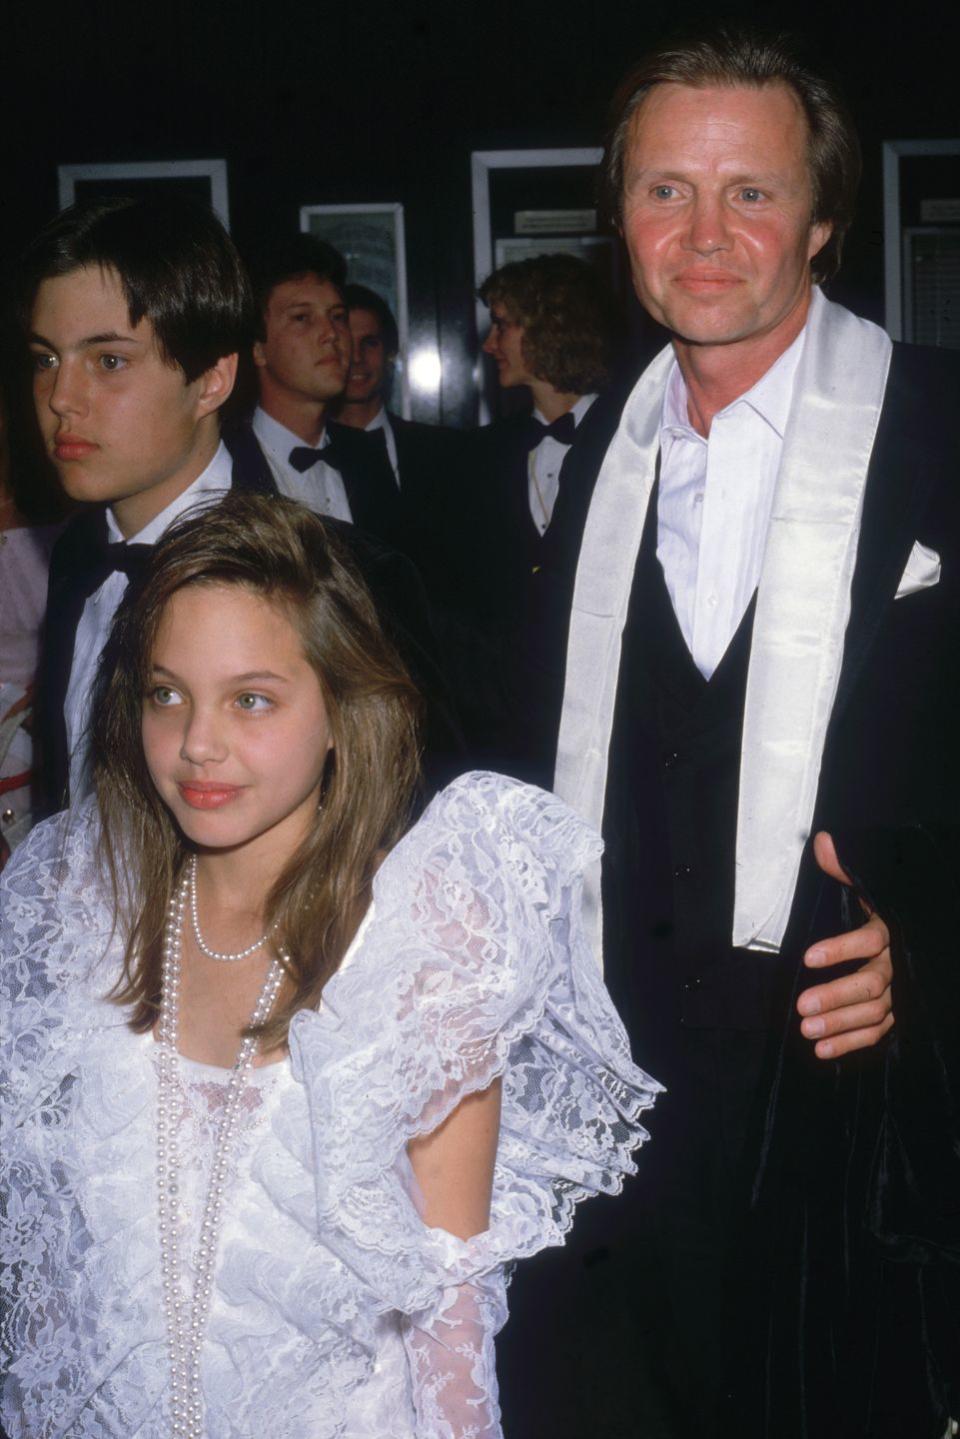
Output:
x=226 y=955
x=186 y=1318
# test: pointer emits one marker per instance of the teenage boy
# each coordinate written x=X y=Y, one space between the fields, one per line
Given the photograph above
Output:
x=136 y=312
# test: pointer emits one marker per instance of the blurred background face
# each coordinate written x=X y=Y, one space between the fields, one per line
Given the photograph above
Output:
x=504 y=345
x=369 y=368
x=306 y=353
x=716 y=210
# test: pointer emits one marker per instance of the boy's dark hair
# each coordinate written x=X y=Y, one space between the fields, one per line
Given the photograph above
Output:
x=287 y=259
x=743 y=55
x=570 y=324
x=359 y=297
x=176 y=264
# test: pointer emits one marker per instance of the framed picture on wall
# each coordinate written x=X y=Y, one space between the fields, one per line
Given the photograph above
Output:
x=921 y=242
x=371 y=240
x=202 y=180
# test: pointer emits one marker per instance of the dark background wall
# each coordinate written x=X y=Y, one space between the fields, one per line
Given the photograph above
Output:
x=312 y=103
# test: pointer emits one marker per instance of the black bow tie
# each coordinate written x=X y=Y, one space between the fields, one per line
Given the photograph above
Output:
x=563 y=430
x=304 y=457
x=107 y=560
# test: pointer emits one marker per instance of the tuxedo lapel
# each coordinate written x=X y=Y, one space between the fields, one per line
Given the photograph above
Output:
x=368 y=480
x=66 y=596
x=251 y=470
x=891 y=511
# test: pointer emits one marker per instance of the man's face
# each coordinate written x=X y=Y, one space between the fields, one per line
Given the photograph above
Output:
x=368 y=369
x=116 y=418
x=307 y=347
x=716 y=210
x=504 y=344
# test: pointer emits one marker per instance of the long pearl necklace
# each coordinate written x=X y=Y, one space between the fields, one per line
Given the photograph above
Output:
x=227 y=956
x=185 y=1318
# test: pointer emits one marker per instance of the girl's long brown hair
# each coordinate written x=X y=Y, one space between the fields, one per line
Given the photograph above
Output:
x=277 y=549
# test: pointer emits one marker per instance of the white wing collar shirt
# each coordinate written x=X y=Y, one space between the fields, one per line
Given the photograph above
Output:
x=544 y=466
x=715 y=501
x=320 y=488
x=99 y=610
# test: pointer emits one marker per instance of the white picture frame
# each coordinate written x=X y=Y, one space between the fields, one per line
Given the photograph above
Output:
x=895 y=151
x=214 y=172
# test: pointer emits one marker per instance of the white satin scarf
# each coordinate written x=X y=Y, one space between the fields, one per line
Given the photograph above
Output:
x=803 y=605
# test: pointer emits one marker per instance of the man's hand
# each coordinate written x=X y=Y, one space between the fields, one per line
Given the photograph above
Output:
x=857 y=1011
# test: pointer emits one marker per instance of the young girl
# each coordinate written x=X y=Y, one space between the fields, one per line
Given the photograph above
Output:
x=286 y=1087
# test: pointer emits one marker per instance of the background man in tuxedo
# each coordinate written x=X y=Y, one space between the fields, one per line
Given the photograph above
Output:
x=427 y=460
x=552 y=331
x=302 y=359
x=552 y=337
x=763 y=646
x=135 y=312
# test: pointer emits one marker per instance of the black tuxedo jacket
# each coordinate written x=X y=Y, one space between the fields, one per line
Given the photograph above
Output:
x=366 y=472
x=431 y=461
x=393 y=581
x=856 y=1192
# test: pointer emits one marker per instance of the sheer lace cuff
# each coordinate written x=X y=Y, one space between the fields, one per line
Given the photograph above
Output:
x=452 y=1364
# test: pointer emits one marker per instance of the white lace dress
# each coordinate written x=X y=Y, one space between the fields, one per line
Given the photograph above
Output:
x=337 y=1313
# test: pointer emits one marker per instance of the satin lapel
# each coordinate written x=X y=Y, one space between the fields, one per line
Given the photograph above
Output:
x=65 y=601
x=803 y=606
x=611 y=542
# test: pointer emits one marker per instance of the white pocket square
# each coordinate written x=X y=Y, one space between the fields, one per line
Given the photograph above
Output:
x=922 y=571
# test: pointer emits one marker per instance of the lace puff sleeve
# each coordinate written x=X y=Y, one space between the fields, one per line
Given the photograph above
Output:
x=474 y=965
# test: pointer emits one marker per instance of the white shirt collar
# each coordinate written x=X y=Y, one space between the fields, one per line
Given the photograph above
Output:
x=770 y=397
x=379 y=421
x=215 y=478
x=577 y=411
x=278 y=439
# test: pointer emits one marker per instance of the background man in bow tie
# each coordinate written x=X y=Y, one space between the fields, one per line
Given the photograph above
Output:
x=553 y=335
x=763 y=670
x=302 y=359
x=551 y=331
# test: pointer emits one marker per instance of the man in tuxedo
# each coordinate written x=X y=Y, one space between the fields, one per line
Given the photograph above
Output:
x=552 y=332
x=427 y=460
x=529 y=479
x=302 y=359
x=136 y=312
x=761 y=687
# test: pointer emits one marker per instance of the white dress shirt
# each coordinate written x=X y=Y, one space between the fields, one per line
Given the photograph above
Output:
x=99 y=610
x=320 y=488
x=715 y=501
x=381 y=421
x=544 y=465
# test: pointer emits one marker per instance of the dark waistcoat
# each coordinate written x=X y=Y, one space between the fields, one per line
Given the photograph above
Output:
x=670 y=828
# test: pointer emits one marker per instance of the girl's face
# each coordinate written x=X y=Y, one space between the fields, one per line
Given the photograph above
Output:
x=234 y=727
